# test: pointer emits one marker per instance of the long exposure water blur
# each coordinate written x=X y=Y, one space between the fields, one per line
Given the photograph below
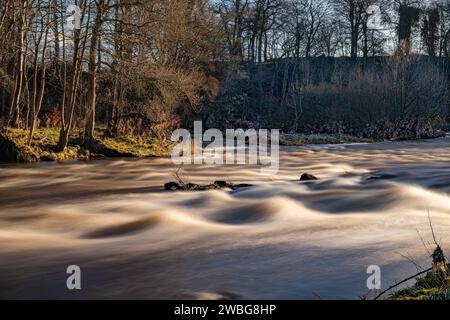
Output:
x=279 y=239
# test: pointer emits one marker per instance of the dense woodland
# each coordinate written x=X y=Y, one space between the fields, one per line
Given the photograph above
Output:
x=147 y=67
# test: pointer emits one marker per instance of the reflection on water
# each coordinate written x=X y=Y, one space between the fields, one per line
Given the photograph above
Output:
x=279 y=239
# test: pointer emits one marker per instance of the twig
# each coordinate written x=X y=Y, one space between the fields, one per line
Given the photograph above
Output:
x=401 y=282
x=420 y=273
x=423 y=242
x=411 y=260
x=179 y=178
x=432 y=230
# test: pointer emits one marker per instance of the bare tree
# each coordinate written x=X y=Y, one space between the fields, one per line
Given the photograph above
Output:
x=22 y=10
x=234 y=14
x=102 y=7
x=40 y=50
x=71 y=87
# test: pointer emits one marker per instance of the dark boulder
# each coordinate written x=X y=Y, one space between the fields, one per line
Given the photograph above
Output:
x=221 y=184
x=191 y=186
x=308 y=177
x=235 y=187
x=172 y=186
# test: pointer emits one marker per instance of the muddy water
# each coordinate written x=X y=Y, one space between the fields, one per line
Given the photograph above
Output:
x=281 y=239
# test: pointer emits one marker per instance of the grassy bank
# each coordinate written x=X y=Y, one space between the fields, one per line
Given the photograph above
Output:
x=431 y=284
x=14 y=147
x=426 y=288
x=296 y=139
x=299 y=139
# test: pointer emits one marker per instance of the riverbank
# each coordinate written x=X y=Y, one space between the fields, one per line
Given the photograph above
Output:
x=429 y=284
x=300 y=139
x=15 y=149
x=294 y=139
x=425 y=288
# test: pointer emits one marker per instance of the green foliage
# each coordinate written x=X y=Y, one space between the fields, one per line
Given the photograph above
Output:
x=426 y=288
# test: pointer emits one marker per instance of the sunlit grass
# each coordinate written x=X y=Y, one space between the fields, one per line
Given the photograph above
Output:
x=45 y=141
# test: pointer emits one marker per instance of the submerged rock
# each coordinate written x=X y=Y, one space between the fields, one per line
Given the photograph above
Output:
x=217 y=185
x=221 y=184
x=172 y=186
x=241 y=186
x=379 y=176
x=308 y=177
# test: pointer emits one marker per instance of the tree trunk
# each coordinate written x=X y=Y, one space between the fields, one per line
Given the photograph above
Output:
x=354 y=31
x=15 y=103
x=67 y=113
x=92 y=73
x=38 y=97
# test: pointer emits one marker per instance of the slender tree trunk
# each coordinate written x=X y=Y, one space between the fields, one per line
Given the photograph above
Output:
x=366 y=41
x=54 y=7
x=39 y=96
x=117 y=69
x=69 y=106
x=15 y=103
x=67 y=114
x=354 y=31
x=92 y=72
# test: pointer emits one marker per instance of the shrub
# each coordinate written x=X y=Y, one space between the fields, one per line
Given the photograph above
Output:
x=386 y=99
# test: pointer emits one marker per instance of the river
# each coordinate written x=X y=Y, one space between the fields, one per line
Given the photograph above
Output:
x=281 y=239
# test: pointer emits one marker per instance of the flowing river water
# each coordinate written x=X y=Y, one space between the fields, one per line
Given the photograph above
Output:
x=281 y=239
